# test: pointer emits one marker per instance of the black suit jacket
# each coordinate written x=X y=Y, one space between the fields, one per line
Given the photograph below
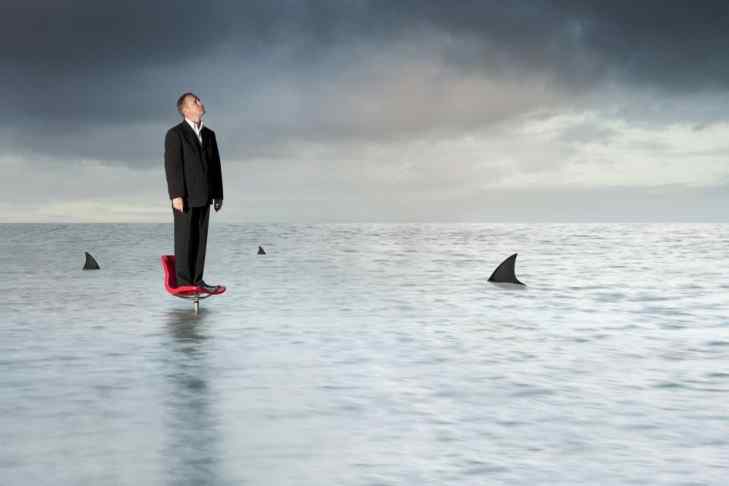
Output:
x=193 y=172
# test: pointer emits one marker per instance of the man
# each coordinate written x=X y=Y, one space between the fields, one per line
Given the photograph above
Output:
x=194 y=181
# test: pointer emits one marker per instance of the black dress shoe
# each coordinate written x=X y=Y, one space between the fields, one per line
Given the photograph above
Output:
x=207 y=287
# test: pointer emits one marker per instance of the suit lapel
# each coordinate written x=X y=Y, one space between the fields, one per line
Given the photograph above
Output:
x=190 y=136
x=204 y=136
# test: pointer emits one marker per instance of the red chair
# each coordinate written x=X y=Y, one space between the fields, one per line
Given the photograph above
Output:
x=191 y=292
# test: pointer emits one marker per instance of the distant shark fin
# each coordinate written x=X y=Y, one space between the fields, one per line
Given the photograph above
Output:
x=91 y=263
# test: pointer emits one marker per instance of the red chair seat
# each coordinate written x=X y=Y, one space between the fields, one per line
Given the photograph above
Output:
x=170 y=281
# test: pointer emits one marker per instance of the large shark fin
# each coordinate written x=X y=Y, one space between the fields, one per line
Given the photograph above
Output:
x=505 y=272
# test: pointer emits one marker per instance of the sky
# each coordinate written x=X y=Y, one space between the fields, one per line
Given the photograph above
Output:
x=377 y=111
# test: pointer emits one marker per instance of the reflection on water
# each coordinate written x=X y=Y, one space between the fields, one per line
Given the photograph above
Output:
x=192 y=449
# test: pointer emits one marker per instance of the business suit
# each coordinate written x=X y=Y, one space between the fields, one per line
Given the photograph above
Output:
x=193 y=173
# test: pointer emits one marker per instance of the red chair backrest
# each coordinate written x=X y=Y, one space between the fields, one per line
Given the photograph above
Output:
x=168 y=267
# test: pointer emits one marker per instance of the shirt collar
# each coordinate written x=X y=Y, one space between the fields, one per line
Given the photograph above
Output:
x=192 y=124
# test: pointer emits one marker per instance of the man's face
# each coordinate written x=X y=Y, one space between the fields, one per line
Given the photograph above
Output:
x=193 y=108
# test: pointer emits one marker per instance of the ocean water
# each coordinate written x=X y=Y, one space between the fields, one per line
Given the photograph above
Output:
x=367 y=354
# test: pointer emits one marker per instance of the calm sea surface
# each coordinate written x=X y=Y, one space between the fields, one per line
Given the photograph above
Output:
x=367 y=354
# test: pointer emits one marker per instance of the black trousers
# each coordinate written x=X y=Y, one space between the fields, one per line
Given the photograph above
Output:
x=191 y=238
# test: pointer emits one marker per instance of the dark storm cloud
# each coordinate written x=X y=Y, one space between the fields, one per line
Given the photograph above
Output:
x=90 y=79
x=650 y=38
x=676 y=44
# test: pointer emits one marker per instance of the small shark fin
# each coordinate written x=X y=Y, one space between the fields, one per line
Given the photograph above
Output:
x=90 y=263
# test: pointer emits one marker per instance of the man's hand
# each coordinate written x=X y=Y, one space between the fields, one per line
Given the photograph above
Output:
x=217 y=204
x=178 y=203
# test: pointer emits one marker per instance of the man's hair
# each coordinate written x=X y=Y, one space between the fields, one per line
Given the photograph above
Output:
x=181 y=101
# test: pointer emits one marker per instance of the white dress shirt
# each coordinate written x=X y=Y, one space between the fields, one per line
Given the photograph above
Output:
x=196 y=129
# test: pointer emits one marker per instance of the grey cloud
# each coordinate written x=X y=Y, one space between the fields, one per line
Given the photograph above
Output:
x=587 y=133
x=673 y=44
x=82 y=77
x=677 y=45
